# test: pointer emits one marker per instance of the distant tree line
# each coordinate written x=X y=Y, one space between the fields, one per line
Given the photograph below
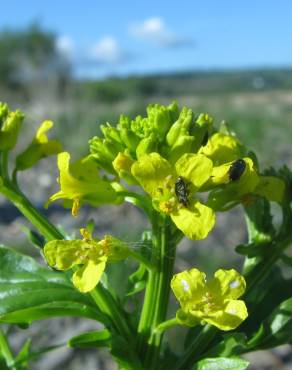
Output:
x=29 y=57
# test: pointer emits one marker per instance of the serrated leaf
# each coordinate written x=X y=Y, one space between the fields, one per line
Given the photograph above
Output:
x=30 y=292
x=93 y=339
x=275 y=329
x=221 y=363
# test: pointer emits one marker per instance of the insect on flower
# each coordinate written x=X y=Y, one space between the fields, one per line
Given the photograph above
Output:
x=181 y=191
x=236 y=169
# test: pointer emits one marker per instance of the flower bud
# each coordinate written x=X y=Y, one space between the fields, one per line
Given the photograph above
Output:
x=146 y=146
x=10 y=127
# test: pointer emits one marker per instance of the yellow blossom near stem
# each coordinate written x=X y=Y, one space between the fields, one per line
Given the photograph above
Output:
x=88 y=255
x=222 y=148
x=158 y=178
x=39 y=148
x=226 y=193
x=81 y=183
x=214 y=302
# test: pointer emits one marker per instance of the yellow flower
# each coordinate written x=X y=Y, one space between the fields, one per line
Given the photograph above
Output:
x=222 y=148
x=214 y=302
x=39 y=148
x=172 y=188
x=81 y=183
x=230 y=191
x=90 y=255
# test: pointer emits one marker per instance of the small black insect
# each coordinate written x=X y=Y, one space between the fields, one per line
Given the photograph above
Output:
x=181 y=191
x=236 y=169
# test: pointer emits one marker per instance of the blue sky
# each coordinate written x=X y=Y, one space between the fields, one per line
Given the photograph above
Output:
x=129 y=37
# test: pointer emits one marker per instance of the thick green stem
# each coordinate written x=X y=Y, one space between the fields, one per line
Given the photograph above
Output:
x=160 y=297
x=5 y=351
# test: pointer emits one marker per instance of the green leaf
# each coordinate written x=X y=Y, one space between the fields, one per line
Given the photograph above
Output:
x=93 y=339
x=137 y=281
x=124 y=355
x=221 y=363
x=275 y=329
x=23 y=354
x=259 y=221
x=30 y=292
x=264 y=298
x=34 y=355
x=232 y=345
x=253 y=249
x=286 y=259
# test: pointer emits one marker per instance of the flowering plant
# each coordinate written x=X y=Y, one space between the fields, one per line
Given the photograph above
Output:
x=181 y=172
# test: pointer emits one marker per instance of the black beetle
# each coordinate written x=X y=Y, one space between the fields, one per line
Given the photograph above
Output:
x=181 y=191
x=236 y=169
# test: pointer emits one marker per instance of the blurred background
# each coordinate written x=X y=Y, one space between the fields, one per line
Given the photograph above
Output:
x=82 y=64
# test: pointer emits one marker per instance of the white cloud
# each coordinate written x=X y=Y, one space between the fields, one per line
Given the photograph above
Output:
x=154 y=30
x=107 y=51
x=64 y=45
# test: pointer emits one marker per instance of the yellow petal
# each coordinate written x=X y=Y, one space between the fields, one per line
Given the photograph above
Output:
x=63 y=254
x=41 y=136
x=227 y=284
x=229 y=318
x=88 y=276
x=194 y=167
x=151 y=171
x=222 y=148
x=188 y=286
x=195 y=221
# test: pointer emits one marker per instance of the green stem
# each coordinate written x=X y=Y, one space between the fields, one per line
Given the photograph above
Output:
x=6 y=351
x=107 y=305
x=49 y=231
x=166 y=325
x=4 y=164
x=196 y=349
x=144 y=261
x=161 y=297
